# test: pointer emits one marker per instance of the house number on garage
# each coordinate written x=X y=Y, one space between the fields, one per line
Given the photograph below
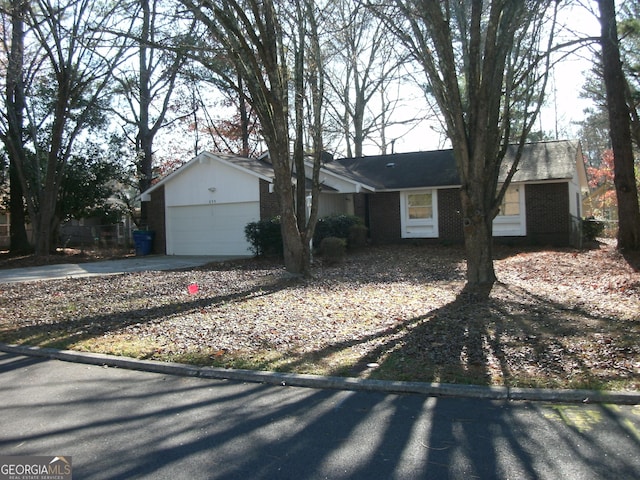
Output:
x=211 y=202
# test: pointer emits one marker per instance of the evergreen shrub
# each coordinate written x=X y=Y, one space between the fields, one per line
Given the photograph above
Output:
x=265 y=237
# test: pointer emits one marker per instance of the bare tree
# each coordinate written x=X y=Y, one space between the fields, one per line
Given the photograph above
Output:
x=484 y=61
x=215 y=114
x=162 y=45
x=619 y=130
x=271 y=44
x=65 y=81
x=362 y=64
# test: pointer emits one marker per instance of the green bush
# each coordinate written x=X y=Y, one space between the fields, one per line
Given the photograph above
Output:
x=592 y=228
x=265 y=237
x=357 y=236
x=338 y=226
x=333 y=249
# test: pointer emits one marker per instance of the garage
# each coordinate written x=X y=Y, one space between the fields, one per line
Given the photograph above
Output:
x=211 y=229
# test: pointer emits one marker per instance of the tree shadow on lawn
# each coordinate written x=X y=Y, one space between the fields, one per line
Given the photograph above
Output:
x=515 y=338
x=70 y=331
x=522 y=340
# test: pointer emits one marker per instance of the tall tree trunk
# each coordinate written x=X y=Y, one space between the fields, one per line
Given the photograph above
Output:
x=358 y=128
x=478 y=241
x=145 y=139
x=19 y=242
x=619 y=130
x=244 y=117
x=293 y=250
x=56 y=162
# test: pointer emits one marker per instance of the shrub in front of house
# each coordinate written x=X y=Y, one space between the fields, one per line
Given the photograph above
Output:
x=265 y=237
x=338 y=226
x=357 y=236
x=333 y=249
x=592 y=228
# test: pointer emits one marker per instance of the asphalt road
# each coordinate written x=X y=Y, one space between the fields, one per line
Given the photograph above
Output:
x=118 y=423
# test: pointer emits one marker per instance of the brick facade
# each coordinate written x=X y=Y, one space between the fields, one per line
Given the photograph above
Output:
x=384 y=217
x=268 y=202
x=360 y=205
x=450 y=216
x=548 y=218
x=547 y=215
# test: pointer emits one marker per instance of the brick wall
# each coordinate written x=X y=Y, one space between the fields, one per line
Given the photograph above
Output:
x=450 y=216
x=268 y=202
x=157 y=221
x=548 y=220
x=360 y=207
x=384 y=217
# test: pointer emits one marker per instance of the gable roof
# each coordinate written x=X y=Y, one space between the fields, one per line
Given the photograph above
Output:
x=256 y=167
x=555 y=160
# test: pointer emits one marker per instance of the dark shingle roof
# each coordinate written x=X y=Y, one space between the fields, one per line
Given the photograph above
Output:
x=545 y=161
x=400 y=170
x=540 y=161
x=259 y=166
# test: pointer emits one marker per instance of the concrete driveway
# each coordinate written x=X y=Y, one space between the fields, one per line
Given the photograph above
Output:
x=107 y=267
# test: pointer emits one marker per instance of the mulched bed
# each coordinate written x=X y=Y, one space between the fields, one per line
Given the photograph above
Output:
x=557 y=318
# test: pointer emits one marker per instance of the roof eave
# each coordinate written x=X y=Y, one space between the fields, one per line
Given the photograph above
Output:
x=200 y=158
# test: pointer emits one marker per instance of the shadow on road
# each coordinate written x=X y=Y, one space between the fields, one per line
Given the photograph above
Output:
x=119 y=424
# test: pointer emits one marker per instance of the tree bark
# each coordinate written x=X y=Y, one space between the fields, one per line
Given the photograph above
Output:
x=145 y=138
x=478 y=241
x=619 y=130
x=15 y=105
x=19 y=241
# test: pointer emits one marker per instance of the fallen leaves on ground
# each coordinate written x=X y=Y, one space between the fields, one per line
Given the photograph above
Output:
x=557 y=318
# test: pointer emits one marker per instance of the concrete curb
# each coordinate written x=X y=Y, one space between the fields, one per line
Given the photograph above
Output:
x=336 y=383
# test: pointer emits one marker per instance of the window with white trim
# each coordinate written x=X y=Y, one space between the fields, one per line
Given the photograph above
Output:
x=420 y=206
x=418 y=214
x=510 y=202
x=511 y=219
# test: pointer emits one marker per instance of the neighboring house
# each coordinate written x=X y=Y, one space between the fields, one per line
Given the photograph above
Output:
x=92 y=232
x=203 y=207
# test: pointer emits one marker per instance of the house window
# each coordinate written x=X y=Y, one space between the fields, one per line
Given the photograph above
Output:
x=419 y=214
x=511 y=219
x=4 y=225
x=420 y=206
x=510 y=202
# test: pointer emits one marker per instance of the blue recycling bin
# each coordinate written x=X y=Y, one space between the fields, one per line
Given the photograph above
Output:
x=143 y=240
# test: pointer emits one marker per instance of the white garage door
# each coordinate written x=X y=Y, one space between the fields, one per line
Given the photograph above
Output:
x=210 y=229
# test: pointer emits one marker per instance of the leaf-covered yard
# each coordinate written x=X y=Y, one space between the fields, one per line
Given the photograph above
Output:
x=558 y=318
